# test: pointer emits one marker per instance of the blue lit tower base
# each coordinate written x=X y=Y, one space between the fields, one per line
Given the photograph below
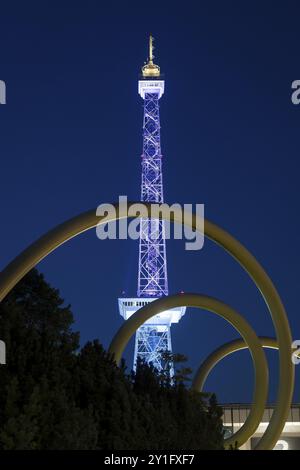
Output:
x=154 y=336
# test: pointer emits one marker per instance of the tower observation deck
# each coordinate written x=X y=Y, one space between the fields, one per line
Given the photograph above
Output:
x=154 y=336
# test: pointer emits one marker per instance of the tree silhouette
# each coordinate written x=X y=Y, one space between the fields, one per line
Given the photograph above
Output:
x=57 y=396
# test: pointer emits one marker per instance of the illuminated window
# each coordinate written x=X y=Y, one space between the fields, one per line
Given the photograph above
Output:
x=281 y=445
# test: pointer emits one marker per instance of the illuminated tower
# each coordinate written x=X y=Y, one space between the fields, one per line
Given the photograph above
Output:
x=154 y=336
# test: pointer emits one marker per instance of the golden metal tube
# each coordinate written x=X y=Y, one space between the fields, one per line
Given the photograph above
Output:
x=128 y=328
x=69 y=229
x=225 y=350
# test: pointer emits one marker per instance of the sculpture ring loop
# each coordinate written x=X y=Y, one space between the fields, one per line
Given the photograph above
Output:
x=87 y=220
x=128 y=328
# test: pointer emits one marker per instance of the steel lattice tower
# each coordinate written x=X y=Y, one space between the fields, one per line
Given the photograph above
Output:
x=154 y=336
x=152 y=279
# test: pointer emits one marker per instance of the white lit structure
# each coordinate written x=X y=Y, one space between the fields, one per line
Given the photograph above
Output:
x=235 y=415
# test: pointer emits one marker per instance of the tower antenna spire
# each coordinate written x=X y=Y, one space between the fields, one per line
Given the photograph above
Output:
x=151 y=69
x=151 y=48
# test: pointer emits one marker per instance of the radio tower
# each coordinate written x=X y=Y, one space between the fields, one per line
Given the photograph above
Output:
x=154 y=336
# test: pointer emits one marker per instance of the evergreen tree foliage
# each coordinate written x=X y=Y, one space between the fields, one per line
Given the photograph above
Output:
x=55 y=395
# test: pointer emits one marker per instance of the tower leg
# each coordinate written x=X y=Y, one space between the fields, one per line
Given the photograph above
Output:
x=150 y=342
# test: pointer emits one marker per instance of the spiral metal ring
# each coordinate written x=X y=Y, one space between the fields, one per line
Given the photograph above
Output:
x=122 y=337
x=87 y=220
x=225 y=350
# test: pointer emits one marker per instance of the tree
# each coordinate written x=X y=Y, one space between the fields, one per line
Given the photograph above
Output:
x=57 y=396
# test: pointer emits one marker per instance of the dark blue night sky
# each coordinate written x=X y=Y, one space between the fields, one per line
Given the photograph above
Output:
x=71 y=138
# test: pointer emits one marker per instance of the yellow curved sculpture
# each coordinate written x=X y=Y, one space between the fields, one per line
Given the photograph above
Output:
x=216 y=356
x=124 y=334
x=69 y=229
